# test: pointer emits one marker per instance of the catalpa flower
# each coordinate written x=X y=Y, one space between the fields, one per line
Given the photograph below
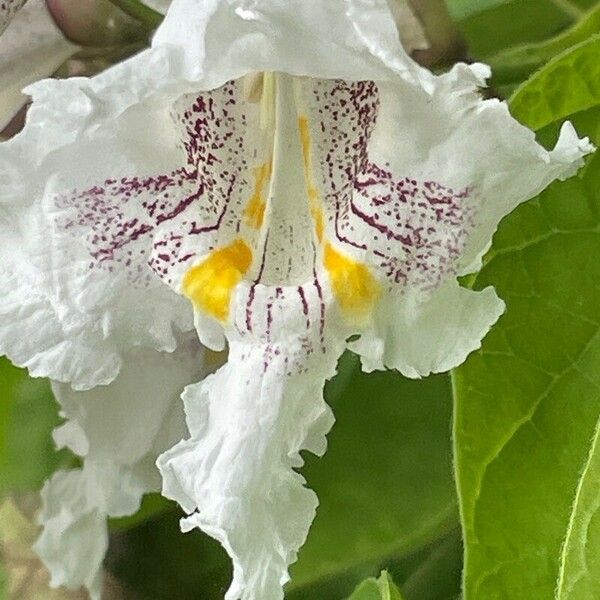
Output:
x=281 y=177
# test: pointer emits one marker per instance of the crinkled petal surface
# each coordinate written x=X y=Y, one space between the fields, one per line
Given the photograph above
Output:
x=118 y=430
x=418 y=337
x=410 y=29
x=288 y=168
x=415 y=192
x=235 y=476
x=30 y=49
x=74 y=268
x=81 y=232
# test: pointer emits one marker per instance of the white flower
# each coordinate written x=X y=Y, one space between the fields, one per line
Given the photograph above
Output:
x=118 y=430
x=287 y=168
x=31 y=48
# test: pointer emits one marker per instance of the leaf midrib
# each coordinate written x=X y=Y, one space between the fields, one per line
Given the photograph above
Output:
x=576 y=503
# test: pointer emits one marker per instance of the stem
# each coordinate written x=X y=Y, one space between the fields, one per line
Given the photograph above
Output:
x=140 y=12
x=569 y=8
x=112 y=54
x=446 y=44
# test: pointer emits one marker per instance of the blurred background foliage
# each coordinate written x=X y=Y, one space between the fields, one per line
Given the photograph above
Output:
x=521 y=446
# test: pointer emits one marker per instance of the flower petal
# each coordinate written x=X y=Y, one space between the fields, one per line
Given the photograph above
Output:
x=414 y=192
x=8 y=9
x=60 y=319
x=119 y=449
x=348 y=39
x=75 y=537
x=81 y=233
x=495 y=172
x=235 y=475
x=31 y=48
x=410 y=29
x=75 y=259
x=419 y=335
x=248 y=422
x=379 y=194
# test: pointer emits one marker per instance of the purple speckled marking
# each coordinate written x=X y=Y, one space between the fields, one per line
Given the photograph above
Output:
x=271 y=329
x=119 y=218
x=251 y=297
x=304 y=305
x=319 y=289
x=162 y=223
x=116 y=231
x=419 y=228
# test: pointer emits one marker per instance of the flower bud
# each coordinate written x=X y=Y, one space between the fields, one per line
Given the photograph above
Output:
x=95 y=23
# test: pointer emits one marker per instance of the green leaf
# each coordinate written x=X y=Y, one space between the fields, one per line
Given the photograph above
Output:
x=377 y=589
x=579 y=575
x=463 y=9
x=155 y=561
x=493 y=25
x=385 y=485
x=516 y=64
x=527 y=405
x=367 y=590
x=584 y=4
x=568 y=84
x=437 y=574
x=429 y=573
x=3 y=583
x=152 y=506
x=28 y=413
x=385 y=488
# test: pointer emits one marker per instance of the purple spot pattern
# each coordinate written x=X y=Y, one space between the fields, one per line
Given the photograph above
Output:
x=115 y=230
x=217 y=138
x=132 y=223
x=417 y=229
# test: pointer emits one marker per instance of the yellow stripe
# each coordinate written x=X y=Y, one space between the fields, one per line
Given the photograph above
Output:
x=316 y=210
x=255 y=209
x=355 y=288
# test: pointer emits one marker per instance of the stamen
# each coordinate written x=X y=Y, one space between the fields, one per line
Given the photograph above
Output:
x=262 y=87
